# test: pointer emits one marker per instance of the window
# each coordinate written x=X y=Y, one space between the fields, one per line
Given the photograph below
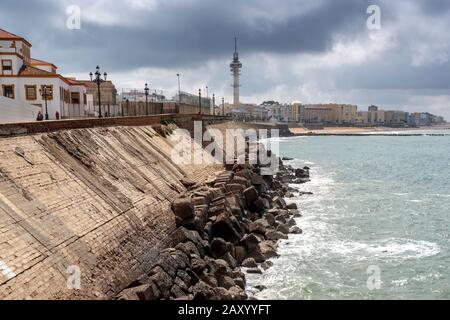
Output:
x=30 y=92
x=49 y=90
x=8 y=91
x=67 y=96
x=75 y=97
x=7 y=67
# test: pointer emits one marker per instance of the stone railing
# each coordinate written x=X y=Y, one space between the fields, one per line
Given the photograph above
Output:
x=182 y=120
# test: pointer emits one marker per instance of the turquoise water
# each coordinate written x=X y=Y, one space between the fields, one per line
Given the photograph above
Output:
x=379 y=203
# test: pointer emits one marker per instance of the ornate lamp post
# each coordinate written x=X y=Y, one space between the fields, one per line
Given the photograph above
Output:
x=223 y=106
x=43 y=92
x=199 y=101
x=98 y=80
x=213 y=104
x=179 y=88
x=147 y=89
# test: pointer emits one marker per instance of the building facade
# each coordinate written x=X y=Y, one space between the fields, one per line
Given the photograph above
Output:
x=342 y=114
x=24 y=79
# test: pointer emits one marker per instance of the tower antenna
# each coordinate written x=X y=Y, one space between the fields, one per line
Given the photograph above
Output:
x=236 y=67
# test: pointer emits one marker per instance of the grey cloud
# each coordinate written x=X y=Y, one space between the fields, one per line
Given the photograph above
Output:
x=184 y=35
x=187 y=34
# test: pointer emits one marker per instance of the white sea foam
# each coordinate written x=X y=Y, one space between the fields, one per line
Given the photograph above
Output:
x=418 y=278
x=397 y=248
x=359 y=216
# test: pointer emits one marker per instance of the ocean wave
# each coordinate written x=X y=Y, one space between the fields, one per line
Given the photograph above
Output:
x=418 y=278
x=397 y=248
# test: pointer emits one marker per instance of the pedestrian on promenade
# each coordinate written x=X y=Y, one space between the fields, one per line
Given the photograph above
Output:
x=40 y=116
x=57 y=115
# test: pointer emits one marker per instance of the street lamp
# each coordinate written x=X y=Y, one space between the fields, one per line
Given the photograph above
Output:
x=213 y=104
x=179 y=88
x=223 y=106
x=43 y=92
x=199 y=101
x=98 y=80
x=147 y=89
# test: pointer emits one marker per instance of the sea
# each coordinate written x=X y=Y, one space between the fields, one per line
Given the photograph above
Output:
x=377 y=225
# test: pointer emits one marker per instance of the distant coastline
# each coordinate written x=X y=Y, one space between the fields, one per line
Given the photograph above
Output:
x=358 y=131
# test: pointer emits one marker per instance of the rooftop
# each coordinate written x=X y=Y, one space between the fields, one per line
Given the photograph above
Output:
x=6 y=35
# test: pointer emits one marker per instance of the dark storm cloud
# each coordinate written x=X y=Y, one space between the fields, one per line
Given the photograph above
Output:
x=435 y=7
x=181 y=34
x=184 y=35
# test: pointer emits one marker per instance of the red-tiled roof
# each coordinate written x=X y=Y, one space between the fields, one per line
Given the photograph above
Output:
x=30 y=71
x=27 y=71
x=5 y=35
x=37 y=62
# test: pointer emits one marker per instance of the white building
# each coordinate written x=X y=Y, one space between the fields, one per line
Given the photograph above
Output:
x=23 y=78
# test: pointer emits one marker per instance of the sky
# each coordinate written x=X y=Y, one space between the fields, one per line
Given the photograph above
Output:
x=313 y=51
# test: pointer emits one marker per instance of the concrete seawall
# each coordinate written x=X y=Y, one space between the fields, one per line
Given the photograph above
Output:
x=96 y=197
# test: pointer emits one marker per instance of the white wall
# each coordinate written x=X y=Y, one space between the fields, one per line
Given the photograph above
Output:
x=16 y=111
x=53 y=105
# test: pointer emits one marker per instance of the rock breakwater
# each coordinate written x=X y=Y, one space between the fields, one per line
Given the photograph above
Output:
x=227 y=226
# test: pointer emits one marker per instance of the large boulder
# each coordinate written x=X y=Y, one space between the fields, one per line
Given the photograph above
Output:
x=259 y=205
x=259 y=226
x=291 y=223
x=295 y=230
x=218 y=267
x=268 y=249
x=275 y=235
x=222 y=294
x=240 y=253
x=223 y=228
x=188 y=248
x=267 y=265
x=146 y=292
x=279 y=202
x=257 y=255
x=162 y=280
x=292 y=206
x=254 y=271
x=198 y=265
x=283 y=229
x=226 y=282
x=250 y=242
x=183 y=208
x=169 y=264
x=184 y=235
x=202 y=291
x=235 y=188
x=250 y=194
x=240 y=180
x=230 y=260
x=176 y=292
x=302 y=173
x=219 y=247
x=237 y=293
x=249 y=263
x=269 y=218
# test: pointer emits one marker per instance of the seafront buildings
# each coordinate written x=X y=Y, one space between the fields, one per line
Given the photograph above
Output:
x=35 y=85
x=29 y=86
x=329 y=114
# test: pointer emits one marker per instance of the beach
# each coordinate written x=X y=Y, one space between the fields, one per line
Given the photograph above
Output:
x=361 y=130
